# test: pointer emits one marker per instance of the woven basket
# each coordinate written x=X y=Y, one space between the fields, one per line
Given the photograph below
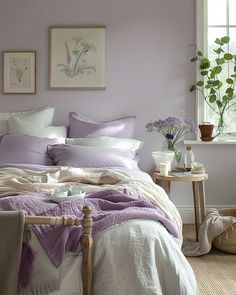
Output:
x=227 y=240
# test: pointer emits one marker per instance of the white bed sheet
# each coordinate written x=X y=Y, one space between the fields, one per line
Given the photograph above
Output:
x=135 y=257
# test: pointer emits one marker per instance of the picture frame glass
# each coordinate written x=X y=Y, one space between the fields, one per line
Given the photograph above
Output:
x=19 y=72
x=77 y=57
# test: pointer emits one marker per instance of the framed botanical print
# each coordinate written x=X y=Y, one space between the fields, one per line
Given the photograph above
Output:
x=77 y=57
x=19 y=72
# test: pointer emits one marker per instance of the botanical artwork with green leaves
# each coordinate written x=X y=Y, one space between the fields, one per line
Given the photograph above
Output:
x=76 y=58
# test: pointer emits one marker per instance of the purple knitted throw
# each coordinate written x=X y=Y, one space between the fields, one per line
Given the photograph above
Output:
x=109 y=207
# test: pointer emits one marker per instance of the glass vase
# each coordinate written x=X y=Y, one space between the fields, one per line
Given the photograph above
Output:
x=222 y=126
x=177 y=153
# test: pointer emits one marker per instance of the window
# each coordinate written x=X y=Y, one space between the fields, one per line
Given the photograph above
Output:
x=215 y=19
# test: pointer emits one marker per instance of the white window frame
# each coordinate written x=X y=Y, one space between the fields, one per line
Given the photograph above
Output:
x=202 y=43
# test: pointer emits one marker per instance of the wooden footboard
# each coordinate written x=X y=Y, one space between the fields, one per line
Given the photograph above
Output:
x=87 y=240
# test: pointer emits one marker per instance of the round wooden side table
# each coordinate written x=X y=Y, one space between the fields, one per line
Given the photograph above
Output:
x=198 y=191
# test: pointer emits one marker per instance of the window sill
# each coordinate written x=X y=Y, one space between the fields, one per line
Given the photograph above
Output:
x=222 y=141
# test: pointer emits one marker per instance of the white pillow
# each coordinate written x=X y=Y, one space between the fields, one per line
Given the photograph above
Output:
x=107 y=142
x=18 y=126
x=43 y=115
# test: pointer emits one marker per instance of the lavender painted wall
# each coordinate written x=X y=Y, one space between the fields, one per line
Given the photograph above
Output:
x=148 y=72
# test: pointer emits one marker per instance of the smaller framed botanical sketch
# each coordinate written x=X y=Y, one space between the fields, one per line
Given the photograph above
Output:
x=77 y=57
x=19 y=72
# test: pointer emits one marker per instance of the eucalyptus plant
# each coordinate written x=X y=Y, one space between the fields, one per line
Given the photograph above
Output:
x=216 y=86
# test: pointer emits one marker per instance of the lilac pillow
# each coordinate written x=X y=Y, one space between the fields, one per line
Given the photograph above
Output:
x=25 y=149
x=80 y=126
x=89 y=156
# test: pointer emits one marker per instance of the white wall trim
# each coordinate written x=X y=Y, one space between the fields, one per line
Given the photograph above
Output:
x=187 y=212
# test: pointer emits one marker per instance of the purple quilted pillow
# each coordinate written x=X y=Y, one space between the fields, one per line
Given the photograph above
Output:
x=80 y=126
x=25 y=149
x=90 y=156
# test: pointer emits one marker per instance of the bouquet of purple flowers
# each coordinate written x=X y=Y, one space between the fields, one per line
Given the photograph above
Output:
x=173 y=129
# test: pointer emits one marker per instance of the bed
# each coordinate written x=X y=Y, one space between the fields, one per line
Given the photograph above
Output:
x=137 y=230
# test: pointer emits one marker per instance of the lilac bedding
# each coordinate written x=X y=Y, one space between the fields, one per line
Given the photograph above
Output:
x=109 y=207
x=136 y=198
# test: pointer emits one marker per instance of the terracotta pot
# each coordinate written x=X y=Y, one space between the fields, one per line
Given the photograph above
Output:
x=206 y=130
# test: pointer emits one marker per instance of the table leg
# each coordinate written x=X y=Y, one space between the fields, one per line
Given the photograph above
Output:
x=166 y=186
x=202 y=200
x=196 y=206
x=158 y=182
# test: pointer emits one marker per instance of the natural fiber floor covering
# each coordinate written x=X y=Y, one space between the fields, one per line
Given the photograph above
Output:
x=215 y=272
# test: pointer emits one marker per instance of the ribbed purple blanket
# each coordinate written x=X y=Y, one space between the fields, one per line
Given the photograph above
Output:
x=109 y=207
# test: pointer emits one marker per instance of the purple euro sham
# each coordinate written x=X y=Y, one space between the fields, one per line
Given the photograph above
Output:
x=80 y=126
x=26 y=149
x=89 y=156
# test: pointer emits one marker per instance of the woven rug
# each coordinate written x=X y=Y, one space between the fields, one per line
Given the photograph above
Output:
x=215 y=272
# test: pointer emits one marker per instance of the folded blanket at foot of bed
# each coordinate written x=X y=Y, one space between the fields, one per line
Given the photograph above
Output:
x=109 y=207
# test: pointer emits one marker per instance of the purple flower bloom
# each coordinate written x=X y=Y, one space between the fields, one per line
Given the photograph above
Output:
x=172 y=128
x=169 y=136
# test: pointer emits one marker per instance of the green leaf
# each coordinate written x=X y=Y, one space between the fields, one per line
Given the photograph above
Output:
x=205 y=63
x=208 y=86
x=200 y=83
x=216 y=83
x=225 y=98
x=193 y=87
x=210 y=82
x=229 y=90
x=204 y=66
x=219 y=104
x=225 y=39
x=199 y=53
x=217 y=69
x=194 y=59
x=219 y=85
x=212 y=75
x=204 y=73
x=228 y=56
x=218 y=50
x=220 y=61
x=212 y=91
x=217 y=41
x=212 y=98
x=229 y=81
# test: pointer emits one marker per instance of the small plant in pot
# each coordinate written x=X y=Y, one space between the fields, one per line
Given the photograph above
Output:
x=206 y=130
x=217 y=84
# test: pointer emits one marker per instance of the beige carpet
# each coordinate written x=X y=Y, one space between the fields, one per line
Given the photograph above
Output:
x=215 y=272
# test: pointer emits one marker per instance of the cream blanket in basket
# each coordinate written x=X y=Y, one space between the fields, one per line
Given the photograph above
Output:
x=15 y=181
x=212 y=226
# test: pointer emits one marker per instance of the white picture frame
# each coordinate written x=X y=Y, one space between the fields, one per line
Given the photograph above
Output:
x=19 y=72
x=77 y=57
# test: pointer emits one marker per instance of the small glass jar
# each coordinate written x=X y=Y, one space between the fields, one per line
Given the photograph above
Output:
x=188 y=158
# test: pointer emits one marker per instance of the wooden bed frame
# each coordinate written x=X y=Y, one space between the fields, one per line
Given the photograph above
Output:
x=87 y=240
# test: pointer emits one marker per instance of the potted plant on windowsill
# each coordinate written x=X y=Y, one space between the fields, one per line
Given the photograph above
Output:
x=216 y=86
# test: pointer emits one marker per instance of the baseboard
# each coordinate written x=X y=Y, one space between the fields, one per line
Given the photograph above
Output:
x=187 y=213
